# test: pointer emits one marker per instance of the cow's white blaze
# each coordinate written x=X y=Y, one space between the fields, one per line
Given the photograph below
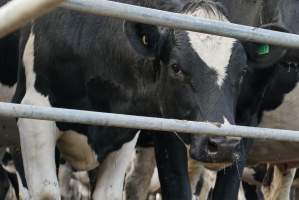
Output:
x=112 y=172
x=214 y=50
x=286 y=115
x=38 y=138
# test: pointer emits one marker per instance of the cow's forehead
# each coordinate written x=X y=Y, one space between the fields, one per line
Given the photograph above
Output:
x=214 y=50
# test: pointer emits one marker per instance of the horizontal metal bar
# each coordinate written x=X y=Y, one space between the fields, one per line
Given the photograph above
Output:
x=180 y=21
x=146 y=123
x=17 y=13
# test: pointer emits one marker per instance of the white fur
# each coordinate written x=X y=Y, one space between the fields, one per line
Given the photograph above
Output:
x=73 y=185
x=214 y=50
x=38 y=138
x=80 y=182
x=225 y=121
x=241 y=195
x=280 y=185
x=196 y=172
x=155 y=182
x=155 y=197
x=23 y=191
x=65 y=175
x=248 y=176
x=10 y=195
x=138 y=178
x=208 y=184
x=112 y=171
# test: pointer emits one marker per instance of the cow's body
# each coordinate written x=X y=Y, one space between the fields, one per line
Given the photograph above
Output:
x=87 y=62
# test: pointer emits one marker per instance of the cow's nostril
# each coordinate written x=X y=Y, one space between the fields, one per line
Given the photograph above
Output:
x=212 y=147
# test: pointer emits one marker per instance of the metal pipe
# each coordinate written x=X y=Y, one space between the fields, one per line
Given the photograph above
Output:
x=146 y=123
x=180 y=21
x=17 y=13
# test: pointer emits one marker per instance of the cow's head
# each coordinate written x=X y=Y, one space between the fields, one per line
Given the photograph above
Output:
x=269 y=66
x=282 y=13
x=199 y=76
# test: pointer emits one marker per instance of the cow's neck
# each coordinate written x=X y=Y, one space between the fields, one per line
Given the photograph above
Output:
x=280 y=107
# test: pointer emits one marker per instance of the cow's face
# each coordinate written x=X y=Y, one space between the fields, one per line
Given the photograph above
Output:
x=202 y=83
x=218 y=64
x=199 y=76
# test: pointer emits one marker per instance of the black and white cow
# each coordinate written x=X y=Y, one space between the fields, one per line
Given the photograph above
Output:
x=82 y=61
x=136 y=185
x=274 y=88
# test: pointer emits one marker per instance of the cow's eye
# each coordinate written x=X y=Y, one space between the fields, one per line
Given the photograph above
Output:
x=176 y=68
x=144 y=40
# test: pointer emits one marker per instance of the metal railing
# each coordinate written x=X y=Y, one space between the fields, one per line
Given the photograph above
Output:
x=181 y=21
x=17 y=13
x=22 y=11
x=145 y=123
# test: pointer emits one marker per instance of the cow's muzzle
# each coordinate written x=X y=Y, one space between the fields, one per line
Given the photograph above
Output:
x=216 y=150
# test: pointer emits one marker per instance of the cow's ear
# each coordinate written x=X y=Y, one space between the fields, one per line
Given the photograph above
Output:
x=264 y=55
x=145 y=39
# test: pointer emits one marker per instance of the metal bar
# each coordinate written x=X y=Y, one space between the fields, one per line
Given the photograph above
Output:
x=147 y=123
x=17 y=13
x=180 y=21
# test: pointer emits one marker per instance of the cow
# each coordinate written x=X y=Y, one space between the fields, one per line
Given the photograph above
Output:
x=276 y=85
x=134 y=187
x=81 y=61
x=13 y=184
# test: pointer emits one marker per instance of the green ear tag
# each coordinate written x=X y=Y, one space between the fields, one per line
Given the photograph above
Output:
x=263 y=49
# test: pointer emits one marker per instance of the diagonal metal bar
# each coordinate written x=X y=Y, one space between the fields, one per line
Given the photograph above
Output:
x=180 y=21
x=147 y=123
